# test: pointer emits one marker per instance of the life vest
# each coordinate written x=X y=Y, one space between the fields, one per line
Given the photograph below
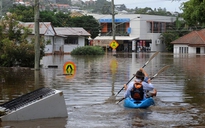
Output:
x=137 y=92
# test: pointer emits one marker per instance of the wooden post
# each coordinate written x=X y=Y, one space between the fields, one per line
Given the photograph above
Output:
x=113 y=24
x=1 y=8
x=37 y=38
x=113 y=19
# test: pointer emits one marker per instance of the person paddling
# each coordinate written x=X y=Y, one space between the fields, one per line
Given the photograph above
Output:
x=141 y=87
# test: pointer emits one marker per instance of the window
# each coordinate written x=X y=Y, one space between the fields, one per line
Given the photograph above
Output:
x=120 y=30
x=183 y=49
x=162 y=27
x=150 y=26
x=71 y=40
x=156 y=27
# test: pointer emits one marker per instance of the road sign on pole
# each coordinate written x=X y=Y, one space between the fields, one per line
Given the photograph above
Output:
x=114 y=44
x=69 y=69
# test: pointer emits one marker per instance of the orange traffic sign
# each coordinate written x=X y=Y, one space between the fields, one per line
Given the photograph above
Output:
x=114 y=44
x=69 y=69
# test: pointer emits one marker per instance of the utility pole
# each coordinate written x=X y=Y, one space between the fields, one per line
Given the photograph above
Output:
x=1 y=8
x=113 y=19
x=37 y=39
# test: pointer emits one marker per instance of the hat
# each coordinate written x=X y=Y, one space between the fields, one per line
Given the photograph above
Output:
x=140 y=75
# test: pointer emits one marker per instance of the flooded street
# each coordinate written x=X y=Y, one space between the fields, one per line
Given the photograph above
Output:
x=90 y=91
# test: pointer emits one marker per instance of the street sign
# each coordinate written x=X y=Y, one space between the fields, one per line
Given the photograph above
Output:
x=69 y=69
x=114 y=44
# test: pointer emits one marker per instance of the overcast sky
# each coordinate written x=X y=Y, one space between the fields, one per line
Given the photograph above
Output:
x=168 y=4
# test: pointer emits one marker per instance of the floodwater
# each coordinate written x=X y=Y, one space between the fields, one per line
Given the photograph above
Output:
x=90 y=90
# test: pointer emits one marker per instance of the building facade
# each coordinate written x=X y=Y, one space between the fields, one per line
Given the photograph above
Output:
x=193 y=42
x=133 y=32
x=59 y=40
x=69 y=38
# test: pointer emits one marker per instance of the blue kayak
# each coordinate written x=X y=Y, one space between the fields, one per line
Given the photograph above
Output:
x=145 y=103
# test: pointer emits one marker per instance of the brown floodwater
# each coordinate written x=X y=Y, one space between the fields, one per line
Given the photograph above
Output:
x=89 y=90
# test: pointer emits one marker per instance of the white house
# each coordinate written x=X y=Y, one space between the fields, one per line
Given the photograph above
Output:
x=134 y=32
x=73 y=37
x=193 y=42
x=59 y=40
x=46 y=31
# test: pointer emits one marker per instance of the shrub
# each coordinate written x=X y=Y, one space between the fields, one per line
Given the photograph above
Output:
x=22 y=54
x=88 y=50
x=15 y=49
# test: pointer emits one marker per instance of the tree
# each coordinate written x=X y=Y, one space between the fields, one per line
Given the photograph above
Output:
x=143 y=10
x=49 y=16
x=14 y=47
x=102 y=6
x=62 y=19
x=69 y=2
x=173 y=32
x=7 y=4
x=25 y=14
x=62 y=1
x=148 y=10
x=193 y=13
x=122 y=7
x=89 y=23
x=58 y=19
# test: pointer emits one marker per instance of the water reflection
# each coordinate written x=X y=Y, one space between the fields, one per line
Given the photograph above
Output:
x=16 y=82
x=89 y=93
x=40 y=123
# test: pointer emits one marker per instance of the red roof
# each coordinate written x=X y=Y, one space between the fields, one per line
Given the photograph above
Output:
x=194 y=39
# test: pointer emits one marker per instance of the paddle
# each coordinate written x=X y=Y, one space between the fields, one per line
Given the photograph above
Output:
x=142 y=67
x=160 y=71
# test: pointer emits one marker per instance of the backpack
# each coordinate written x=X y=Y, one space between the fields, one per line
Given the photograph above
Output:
x=137 y=92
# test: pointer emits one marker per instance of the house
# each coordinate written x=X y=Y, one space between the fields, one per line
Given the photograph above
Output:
x=134 y=32
x=46 y=31
x=69 y=38
x=193 y=42
x=59 y=40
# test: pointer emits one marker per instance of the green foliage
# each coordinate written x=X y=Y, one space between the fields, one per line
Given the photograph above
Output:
x=11 y=29
x=104 y=7
x=62 y=20
x=15 y=50
x=58 y=19
x=89 y=23
x=167 y=38
x=62 y=1
x=22 y=55
x=149 y=11
x=174 y=31
x=100 y=6
x=6 y=4
x=88 y=50
x=24 y=13
x=193 y=13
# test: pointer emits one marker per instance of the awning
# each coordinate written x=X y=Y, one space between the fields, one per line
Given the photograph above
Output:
x=116 y=38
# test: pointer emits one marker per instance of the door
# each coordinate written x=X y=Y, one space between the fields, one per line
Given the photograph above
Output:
x=198 y=50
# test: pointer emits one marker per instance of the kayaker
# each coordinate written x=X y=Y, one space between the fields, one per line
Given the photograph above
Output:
x=143 y=79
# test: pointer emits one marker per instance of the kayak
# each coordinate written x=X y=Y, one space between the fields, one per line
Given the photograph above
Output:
x=145 y=103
